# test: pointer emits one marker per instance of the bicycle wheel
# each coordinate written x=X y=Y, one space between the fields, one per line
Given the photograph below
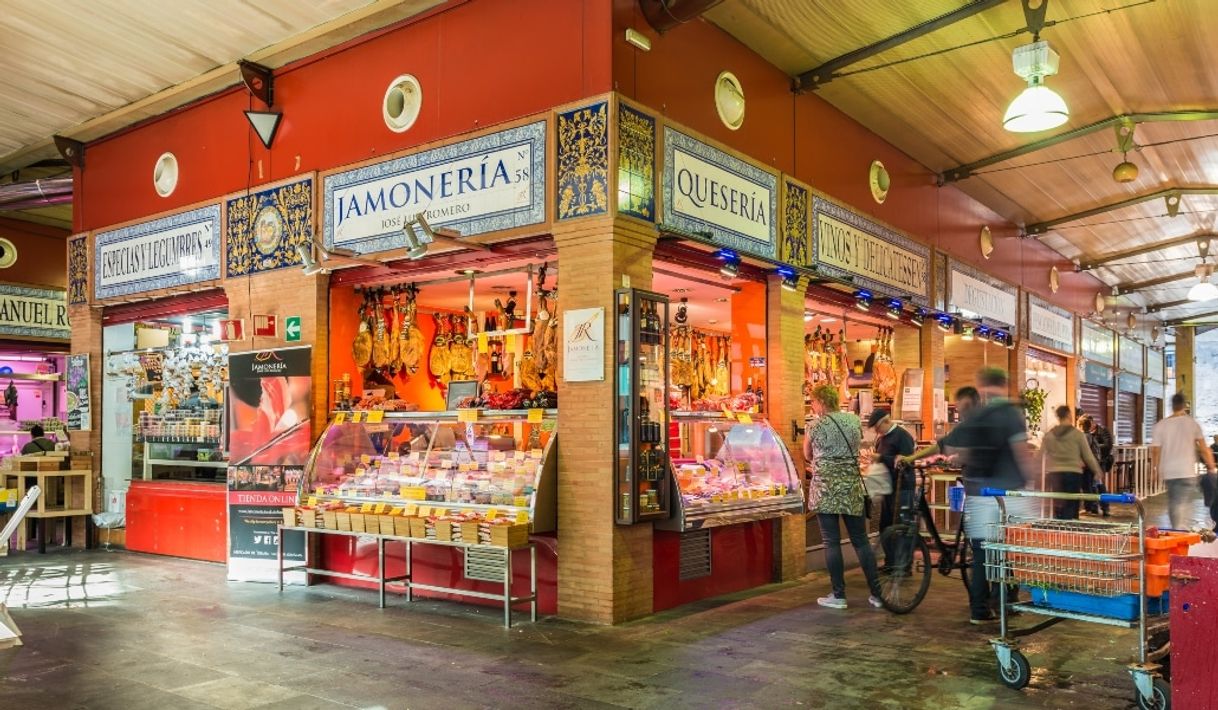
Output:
x=905 y=573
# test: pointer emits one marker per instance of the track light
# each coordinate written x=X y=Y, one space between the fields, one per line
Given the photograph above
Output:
x=309 y=263
x=416 y=247
x=894 y=308
x=1010 y=341
x=983 y=332
x=918 y=317
x=730 y=268
x=862 y=300
x=790 y=281
x=808 y=315
x=944 y=322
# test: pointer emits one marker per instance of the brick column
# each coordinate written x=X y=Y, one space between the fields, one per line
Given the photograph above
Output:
x=284 y=293
x=784 y=405
x=87 y=338
x=931 y=347
x=605 y=570
x=1186 y=343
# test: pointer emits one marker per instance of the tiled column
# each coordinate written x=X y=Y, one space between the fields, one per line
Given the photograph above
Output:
x=785 y=406
x=604 y=570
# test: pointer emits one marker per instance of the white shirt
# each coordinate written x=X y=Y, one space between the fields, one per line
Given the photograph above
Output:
x=1176 y=437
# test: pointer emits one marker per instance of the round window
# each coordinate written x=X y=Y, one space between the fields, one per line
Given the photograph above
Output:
x=729 y=100
x=402 y=102
x=8 y=253
x=165 y=174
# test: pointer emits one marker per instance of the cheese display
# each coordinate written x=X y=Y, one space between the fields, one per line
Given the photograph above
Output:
x=731 y=469
x=440 y=464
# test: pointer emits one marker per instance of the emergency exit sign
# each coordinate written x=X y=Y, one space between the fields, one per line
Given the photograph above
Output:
x=292 y=329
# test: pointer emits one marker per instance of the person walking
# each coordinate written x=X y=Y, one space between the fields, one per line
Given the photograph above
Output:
x=836 y=493
x=1102 y=444
x=892 y=441
x=1067 y=453
x=1176 y=443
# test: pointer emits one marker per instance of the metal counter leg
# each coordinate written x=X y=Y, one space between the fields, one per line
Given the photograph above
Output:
x=507 y=589
x=533 y=582
x=409 y=574
x=380 y=567
x=279 y=556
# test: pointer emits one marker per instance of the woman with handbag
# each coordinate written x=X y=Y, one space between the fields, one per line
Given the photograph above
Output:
x=836 y=492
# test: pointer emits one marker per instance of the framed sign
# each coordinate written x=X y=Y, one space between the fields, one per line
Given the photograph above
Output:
x=583 y=343
x=177 y=250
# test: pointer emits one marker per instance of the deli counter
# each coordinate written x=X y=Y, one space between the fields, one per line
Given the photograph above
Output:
x=729 y=471
x=492 y=463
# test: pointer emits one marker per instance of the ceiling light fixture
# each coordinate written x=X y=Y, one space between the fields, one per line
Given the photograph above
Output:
x=862 y=300
x=918 y=317
x=983 y=332
x=1037 y=108
x=730 y=268
x=894 y=308
x=1203 y=290
x=944 y=322
x=790 y=282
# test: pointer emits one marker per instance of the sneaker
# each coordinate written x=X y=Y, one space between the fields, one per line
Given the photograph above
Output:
x=989 y=618
x=874 y=601
x=832 y=602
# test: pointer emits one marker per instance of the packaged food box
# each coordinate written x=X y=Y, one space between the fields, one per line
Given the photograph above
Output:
x=401 y=525
x=515 y=535
x=343 y=522
x=469 y=531
x=308 y=517
x=418 y=527
x=387 y=524
x=358 y=521
x=329 y=520
x=289 y=517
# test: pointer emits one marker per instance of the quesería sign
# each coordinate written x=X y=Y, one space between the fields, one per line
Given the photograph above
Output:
x=485 y=184
x=707 y=189
x=171 y=251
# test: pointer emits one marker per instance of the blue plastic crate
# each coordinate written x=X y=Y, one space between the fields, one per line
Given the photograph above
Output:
x=1122 y=606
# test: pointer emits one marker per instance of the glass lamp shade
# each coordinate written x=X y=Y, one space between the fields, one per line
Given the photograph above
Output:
x=1037 y=108
x=1204 y=291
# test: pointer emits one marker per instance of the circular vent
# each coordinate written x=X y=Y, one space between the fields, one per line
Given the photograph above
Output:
x=987 y=241
x=729 y=100
x=8 y=253
x=402 y=102
x=165 y=174
x=878 y=181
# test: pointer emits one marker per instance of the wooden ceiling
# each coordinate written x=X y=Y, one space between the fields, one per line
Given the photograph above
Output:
x=945 y=110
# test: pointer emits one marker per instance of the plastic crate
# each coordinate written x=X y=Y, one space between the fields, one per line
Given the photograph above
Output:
x=1122 y=606
x=1169 y=542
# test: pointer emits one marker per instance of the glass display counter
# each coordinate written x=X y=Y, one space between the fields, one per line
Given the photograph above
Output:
x=495 y=463
x=730 y=472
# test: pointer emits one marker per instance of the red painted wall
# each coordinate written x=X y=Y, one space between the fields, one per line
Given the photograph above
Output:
x=742 y=557
x=41 y=253
x=479 y=63
x=806 y=137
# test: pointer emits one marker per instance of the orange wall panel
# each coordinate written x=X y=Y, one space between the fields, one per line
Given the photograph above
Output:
x=41 y=253
x=480 y=63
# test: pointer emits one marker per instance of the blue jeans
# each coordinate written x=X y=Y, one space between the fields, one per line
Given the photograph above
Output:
x=831 y=533
x=1182 y=501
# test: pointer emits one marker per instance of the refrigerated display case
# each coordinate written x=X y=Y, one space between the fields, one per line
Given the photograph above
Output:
x=500 y=463
x=643 y=490
x=729 y=471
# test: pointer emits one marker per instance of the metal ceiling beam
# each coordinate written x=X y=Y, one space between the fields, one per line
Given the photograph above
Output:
x=1132 y=287
x=1039 y=228
x=960 y=172
x=1157 y=307
x=813 y=79
x=1191 y=320
x=1145 y=249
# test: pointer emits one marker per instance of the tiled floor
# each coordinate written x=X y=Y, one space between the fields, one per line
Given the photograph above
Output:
x=120 y=630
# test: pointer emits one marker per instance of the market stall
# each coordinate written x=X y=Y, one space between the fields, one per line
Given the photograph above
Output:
x=980 y=329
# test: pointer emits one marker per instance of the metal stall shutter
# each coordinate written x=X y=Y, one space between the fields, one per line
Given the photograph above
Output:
x=1154 y=412
x=1126 y=418
x=1093 y=400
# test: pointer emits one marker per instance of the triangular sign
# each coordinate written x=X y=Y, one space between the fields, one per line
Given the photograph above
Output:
x=265 y=124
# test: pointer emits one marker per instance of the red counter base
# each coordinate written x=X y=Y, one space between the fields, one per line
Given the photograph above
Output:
x=180 y=519
x=443 y=566
x=742 y=557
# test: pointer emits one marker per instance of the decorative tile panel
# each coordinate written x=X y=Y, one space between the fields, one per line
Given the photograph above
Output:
x=940 y=282
x=28 y=312
x=583 y=162
x=78 y=270
x=795 y=248
x=636 y=164
x=485 y=184
x=262 y=230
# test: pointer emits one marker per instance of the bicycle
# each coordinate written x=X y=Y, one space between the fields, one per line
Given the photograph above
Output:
x=905 y=574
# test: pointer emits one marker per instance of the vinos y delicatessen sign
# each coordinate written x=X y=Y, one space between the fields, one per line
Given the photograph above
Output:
x=485 y=184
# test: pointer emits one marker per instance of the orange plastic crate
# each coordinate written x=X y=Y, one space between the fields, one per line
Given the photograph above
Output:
x=1160 y=549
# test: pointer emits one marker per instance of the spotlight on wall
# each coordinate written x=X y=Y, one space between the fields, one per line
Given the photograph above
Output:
x=415 y=245
x=682 y=315
x=918 y=317
x=983 y=332
x=730 y=268
x=944 y=322
x=808 y=315
x=309 y=263
x=790 y=281
x=862 y=300
x=1010 y=341
x=894 y=308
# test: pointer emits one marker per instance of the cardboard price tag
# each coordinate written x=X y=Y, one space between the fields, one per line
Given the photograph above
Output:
x=357 y=417
x=467 y=416
x=340 y=418
x=380 y=508
x=376 y=416
x=484 y=343
x=312 y=502
x=365 y=508
x=492 y=514
x=536 y=416
x=744 y=418
x=522 y=517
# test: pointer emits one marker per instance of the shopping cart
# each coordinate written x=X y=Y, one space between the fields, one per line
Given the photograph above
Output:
x=1096 y=572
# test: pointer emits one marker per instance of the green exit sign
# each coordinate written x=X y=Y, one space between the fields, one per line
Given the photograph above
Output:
x=291 y=329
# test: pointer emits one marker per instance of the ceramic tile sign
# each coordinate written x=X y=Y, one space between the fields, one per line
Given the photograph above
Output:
x=177 y=250
x=80 y=412
x=708 y=190
x=485 y=184
x=980 y=299
x=848 y=244
x=583 y=342
x=27 y=312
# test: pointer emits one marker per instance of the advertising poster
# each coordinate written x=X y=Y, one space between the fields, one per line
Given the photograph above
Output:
x=80 y=414
x=270 y=394
x=584 y=345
